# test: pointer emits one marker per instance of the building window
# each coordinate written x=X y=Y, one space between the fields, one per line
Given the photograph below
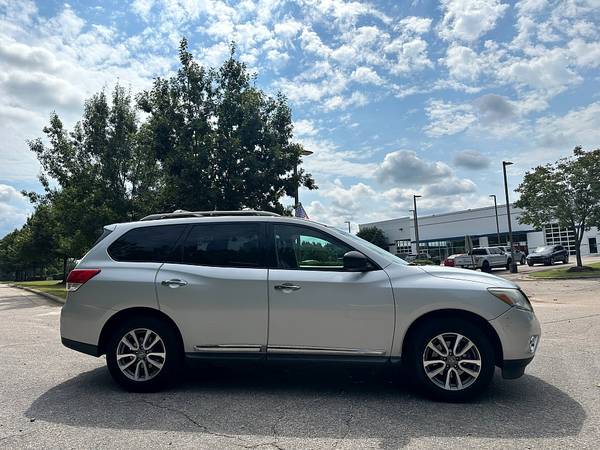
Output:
x=556 y=235
x=403 y=247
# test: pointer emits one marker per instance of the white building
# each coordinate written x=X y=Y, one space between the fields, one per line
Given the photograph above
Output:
x=441 y=235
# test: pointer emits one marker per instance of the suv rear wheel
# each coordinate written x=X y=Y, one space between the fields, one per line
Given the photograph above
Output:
x=144 y=354
x=451 y=361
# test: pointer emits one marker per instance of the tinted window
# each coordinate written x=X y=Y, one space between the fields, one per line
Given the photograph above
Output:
x=224 y=245
x=305 y=248
x=479 y=251
x=558 y=248
x=147 y=244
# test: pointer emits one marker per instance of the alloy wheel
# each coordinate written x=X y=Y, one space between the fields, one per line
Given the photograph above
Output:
x=452 y=361
x=141 y=354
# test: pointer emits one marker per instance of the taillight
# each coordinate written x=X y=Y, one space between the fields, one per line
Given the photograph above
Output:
x=78 y=277
x=449 y=262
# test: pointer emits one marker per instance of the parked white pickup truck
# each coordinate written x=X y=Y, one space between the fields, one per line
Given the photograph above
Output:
x=484 y=258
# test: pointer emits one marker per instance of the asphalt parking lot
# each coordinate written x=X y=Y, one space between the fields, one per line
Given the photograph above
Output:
x=52 y=397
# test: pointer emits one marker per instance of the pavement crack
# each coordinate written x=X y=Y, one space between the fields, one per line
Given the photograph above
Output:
x=241 y=442
x=347 y=422
x=569 y=319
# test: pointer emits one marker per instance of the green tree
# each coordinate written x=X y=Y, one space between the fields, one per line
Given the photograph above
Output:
x=567 y=192
x=222 y=143
x=87 y=173
x=375 y=236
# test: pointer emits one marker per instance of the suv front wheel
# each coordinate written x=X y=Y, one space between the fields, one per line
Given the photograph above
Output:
x=451 y=361
x=144 y=354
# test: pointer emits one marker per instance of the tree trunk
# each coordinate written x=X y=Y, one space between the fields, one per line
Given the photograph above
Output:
x=578 y=251
x=64 y=277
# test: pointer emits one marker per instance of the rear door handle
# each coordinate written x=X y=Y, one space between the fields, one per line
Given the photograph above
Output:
x=174 y=283
x=287 y=287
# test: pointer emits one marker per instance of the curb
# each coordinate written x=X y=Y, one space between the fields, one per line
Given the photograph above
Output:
x=54 y=298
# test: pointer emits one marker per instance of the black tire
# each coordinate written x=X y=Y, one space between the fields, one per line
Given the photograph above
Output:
x=529 y=263
x=418 y=341
x=485 y=267
x=171 y=343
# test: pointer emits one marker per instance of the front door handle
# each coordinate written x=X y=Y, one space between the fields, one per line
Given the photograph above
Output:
x=287 y=287
x=174 y=283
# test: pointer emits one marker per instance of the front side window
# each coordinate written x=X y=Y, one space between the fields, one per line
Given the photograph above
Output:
x=147 y=244
x=308 y=249
x=223 y=245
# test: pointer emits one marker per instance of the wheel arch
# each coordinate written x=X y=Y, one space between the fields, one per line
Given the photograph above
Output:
x=444 y=314
x=124 y=314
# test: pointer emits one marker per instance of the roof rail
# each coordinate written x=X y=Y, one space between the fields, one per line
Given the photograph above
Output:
x=181 y=214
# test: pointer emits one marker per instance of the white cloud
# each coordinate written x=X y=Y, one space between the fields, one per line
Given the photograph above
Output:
x=463 y=63
x=580 y=126
x=547 y=70
x=404 y=167
x=366 y=75
x=305 y=127
x=414 y=24
x=14 y=209
x=468 y=20
x=586 y=54
x=447 y=118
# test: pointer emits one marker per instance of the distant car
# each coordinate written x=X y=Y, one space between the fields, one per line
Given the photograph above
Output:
x=450 y=261
x=548 y=255
x=484 y=258
x=520 y=255
x=412 y=257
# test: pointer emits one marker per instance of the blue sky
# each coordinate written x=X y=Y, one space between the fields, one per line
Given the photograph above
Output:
x=394 y=98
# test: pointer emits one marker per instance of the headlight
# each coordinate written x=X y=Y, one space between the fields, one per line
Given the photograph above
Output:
x=512 y=297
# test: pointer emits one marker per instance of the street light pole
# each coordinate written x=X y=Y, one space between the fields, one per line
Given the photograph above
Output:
x=348 y=222
x=416 y=223
x=297 y=187
x=513 y=263
x=497 y=225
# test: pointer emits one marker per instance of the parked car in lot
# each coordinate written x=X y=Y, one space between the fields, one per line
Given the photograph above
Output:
x=520 y=255
x=253 y=285
x=548 y=255
x=484 y=258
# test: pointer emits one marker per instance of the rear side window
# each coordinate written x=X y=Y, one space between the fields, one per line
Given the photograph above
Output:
x=147 y=244
x=105 y=232
x=224 y=245
x=479 y=251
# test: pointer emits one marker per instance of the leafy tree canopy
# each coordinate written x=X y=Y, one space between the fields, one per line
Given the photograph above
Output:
x=375 y=236
x=567 y=192
x=208 y=139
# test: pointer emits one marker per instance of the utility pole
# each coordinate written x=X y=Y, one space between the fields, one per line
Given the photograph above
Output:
x=348 y=222
x=513 y=263
x=415 y=196
x=497 y=225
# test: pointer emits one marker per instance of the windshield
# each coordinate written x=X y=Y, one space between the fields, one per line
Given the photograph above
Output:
x=544 y=248
x=381 y=252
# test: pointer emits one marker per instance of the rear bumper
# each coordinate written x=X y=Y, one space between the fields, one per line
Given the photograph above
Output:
x=82 y=347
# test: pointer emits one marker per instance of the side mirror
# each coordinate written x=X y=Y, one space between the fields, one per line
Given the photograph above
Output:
x=356 y=262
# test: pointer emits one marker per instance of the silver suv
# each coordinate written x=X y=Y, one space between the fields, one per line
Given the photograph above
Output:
x=153 y=293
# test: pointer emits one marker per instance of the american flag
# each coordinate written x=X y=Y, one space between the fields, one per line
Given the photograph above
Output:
x=301 y=213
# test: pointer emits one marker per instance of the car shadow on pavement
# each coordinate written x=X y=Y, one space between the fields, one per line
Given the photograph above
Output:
x=310 y=402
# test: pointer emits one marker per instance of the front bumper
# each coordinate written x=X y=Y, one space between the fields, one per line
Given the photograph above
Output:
x=514 y=368
x=538 y=259
x=516 y=329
